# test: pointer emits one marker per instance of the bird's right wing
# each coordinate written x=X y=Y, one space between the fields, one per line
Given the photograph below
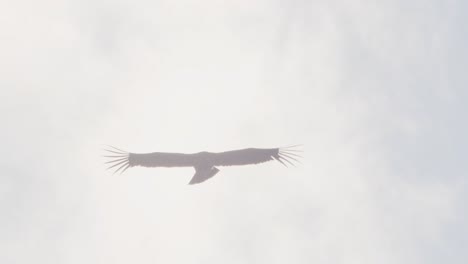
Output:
x=122 y=160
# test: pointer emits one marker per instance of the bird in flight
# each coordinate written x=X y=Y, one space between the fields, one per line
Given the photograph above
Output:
x=204 y=163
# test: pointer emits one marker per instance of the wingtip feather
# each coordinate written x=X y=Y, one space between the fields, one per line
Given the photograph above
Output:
x=119 y=159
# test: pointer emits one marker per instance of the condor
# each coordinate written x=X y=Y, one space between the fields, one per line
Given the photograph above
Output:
x=204 y=163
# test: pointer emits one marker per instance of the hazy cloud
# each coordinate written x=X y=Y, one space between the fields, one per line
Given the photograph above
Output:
x=375 y=90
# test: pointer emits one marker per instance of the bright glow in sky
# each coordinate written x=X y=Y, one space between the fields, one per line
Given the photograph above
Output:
x=376 y=92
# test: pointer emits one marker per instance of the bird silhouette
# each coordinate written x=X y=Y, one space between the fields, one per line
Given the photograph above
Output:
x=204 y=163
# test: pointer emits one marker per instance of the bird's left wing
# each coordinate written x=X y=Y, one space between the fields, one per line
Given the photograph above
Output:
x=255 y=156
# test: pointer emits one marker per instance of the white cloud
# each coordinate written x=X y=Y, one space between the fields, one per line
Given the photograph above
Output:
x=375 y=91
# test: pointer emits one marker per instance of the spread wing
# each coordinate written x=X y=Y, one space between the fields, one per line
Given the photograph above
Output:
x=122 y=160
x=255 y=156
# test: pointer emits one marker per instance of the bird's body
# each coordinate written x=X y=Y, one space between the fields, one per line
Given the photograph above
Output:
x=205 y=163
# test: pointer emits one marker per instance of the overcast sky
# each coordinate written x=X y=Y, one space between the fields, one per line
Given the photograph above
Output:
x=375 y=90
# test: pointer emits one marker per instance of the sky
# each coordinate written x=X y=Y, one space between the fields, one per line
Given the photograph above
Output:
x=374 y=90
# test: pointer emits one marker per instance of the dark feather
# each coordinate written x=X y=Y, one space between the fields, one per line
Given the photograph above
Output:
x=162 y=159
x=244 y=156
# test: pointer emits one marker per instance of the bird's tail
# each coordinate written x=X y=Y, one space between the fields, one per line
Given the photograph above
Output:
x=288 y=155
x=120 y=159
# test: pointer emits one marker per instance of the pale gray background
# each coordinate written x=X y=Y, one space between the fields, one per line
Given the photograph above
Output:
x=376 y=90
